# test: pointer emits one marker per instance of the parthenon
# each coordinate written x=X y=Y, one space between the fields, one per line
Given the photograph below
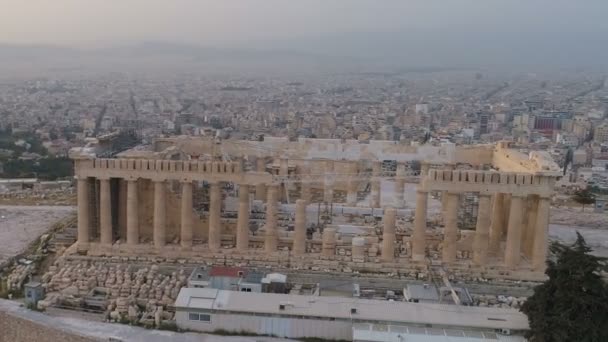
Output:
x=177 y=198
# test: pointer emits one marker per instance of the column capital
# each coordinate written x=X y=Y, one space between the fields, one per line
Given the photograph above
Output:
x=104 y=178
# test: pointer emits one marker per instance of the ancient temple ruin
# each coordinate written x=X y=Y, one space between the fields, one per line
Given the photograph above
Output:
x=177 y=198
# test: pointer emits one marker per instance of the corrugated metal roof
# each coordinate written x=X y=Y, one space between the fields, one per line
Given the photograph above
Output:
x=373 y=310
x=220 y=271
x=422 y=292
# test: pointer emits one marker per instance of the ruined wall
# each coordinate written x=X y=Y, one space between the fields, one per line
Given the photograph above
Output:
x=14 y=328
x=477 y=155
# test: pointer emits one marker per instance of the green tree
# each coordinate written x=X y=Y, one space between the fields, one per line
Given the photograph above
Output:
x=572 y=305
x=584 y=197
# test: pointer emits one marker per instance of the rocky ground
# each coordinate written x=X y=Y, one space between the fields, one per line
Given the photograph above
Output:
x=577 y=218
x=28 y=197
x=20 y=225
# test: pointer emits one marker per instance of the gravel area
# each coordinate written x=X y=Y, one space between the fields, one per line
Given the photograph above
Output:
x=20 y=225
x=120 y=332
x=576 y=217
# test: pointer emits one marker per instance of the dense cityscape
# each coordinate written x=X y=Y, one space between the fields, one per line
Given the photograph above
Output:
x=330 y=183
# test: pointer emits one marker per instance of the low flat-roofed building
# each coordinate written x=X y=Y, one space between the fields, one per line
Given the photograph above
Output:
x=421 y=293
x=295 y=316
x=226 y=278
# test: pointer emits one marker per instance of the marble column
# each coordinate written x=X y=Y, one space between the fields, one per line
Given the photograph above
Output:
x=160 y=213
x=215 y=208
x=328 y=247
x=284 y=172
x=539 y=255
x=358 y=249
x=105 y=211
x=482 y=230
x=306 y=180
x=186 y=215
x=132 y=213
x=527 y=237
x=497 y=230
x=450 y=234
x=388 y=235
x=328 y=184
x=351 y=192
x=444 y=196
x=424 y=168
x=299 y=233
x=242 y=228
x=513 y=246
x=419 y=236
x=260 y=189
x=375 y=198
x=83 y=211
x=271 y=240
x=400 y=185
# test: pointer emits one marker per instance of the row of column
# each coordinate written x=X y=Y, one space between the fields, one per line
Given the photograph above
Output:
x=329 y=183
x=490 y=229
x=159 y=215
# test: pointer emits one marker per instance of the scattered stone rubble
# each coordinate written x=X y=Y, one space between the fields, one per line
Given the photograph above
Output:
x=498 y=301
x=63 y=196
x=134 y=295
x=19 y=276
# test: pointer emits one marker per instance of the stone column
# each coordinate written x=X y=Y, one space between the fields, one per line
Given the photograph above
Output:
x=358 y=249
x=271 y=240
x=351 y=193
x=328 y=184
x=160 y=213
x=105 y=212
x=284 y=172
x=400 y=185
x=424 y=168
x=299 y=233
x=328 y=248
x=539 y=255
x=283 y=167
x=450 y=234
x=215 y=208
x=242 y=228
x=419 y=236
x=527 y=237
x=482 y=235
x=444 y=196
x=186 y=215
x=260 y=189
x=513 y=246
x=497 y=230
x=83 y=211
x=388 y=235
x=132 y=213
x=375 y=185
x=305 y=178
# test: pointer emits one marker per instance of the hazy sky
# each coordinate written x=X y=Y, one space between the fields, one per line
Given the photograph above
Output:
x=219 y=22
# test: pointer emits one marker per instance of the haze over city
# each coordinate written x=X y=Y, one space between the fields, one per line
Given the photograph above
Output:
x=304 y=170
x=466 y=33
